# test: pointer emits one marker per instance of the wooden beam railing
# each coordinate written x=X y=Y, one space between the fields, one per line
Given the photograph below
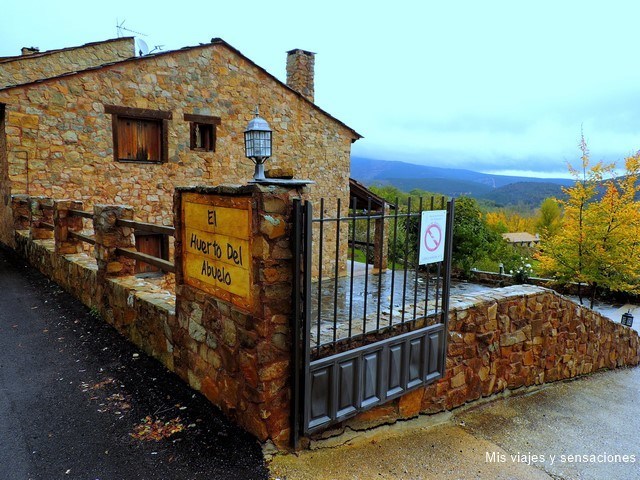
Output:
x=82 y=237
x=164 y=265
x=147 y=227
x=138 y=227
x=81 y=213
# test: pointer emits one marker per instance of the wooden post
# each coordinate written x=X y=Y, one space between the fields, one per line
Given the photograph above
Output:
x=380 y=241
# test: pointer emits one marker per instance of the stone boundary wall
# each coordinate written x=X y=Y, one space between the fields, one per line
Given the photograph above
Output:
x=513 y=337
x=509 y=338
x=505 y=279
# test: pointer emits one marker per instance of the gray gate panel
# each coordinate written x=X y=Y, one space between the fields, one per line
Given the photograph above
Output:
x=320 y=404
x=356 y=380
x=347 y=402
x=416 y=362
x=371 y=379
x=395 y=372
x=434 y=365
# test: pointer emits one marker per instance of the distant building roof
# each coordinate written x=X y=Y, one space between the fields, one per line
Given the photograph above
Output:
x=521 y=237
x=58 y=50
x=363 y=196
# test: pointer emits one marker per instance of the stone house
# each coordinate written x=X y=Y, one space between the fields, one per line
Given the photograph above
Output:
x=130 y=130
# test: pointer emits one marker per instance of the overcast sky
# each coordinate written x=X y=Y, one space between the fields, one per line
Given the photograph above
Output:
x=494 y=86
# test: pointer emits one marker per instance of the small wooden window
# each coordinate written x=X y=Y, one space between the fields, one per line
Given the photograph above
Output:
x=154 y=245
x=202 y=132
x=139 y=140
x=139 y=135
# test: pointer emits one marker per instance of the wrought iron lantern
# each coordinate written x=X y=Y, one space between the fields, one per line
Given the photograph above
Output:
x=257 y=144
x=627 y=319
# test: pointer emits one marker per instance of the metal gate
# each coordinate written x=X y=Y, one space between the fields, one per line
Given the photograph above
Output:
x=365 y=333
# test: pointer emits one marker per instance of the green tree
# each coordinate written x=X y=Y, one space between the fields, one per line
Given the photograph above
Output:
x=550 y=217
x=598 y=242
x=472 y=239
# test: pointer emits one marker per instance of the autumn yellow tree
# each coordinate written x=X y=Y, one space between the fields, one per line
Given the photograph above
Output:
x=504 y=221
x=598 y=243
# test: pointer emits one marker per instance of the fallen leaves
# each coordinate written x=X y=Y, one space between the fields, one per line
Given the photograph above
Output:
x=102 y=384
x=156 y=430
x=116 y=403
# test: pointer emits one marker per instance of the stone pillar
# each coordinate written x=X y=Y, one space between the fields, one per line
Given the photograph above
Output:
x=41 y=212
x=64 y=223
x=381 y=241
x=110 y=236
x=20 y=206
x=300 y=72
x=236 y=348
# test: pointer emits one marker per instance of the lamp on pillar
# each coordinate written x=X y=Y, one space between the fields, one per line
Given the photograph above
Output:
x=627 y=319
x=257 y=144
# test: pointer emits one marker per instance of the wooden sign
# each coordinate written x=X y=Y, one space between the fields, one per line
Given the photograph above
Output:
x=216 y=246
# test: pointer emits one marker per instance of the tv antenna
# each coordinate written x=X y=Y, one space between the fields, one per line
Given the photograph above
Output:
x=141 y=46
x=120 y=28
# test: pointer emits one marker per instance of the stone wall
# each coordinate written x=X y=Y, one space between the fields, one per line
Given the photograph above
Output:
x=510 y=338
x=504 y=279
x=239 y=356
x=60 y=140
x=29 y=68
x=6 y=213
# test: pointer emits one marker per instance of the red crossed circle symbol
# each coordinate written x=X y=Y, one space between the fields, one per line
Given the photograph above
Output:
x=433 y=237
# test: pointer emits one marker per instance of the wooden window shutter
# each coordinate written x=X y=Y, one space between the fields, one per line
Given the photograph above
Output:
x=139 y=134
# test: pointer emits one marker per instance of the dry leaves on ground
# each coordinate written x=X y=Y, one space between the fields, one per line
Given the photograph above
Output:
x=156 y=430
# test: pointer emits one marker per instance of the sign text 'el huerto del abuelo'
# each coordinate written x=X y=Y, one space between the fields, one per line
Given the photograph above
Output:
x=216 y=244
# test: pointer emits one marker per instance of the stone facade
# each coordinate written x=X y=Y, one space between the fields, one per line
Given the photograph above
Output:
x=514 y=337
x=39 y=65
x=60 y=141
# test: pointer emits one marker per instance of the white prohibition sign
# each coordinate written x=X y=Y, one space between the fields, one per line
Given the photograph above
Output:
x=433 y=226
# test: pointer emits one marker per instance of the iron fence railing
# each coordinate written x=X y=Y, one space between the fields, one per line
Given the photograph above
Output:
x=366 y=276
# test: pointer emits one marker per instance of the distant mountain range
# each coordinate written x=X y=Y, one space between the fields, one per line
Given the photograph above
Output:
x=503 y=190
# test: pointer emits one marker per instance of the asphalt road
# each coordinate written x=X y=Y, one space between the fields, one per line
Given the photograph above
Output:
x=74 y=396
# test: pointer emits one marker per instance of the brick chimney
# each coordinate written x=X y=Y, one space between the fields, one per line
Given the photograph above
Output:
x=300 y=65
x=29 y=50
